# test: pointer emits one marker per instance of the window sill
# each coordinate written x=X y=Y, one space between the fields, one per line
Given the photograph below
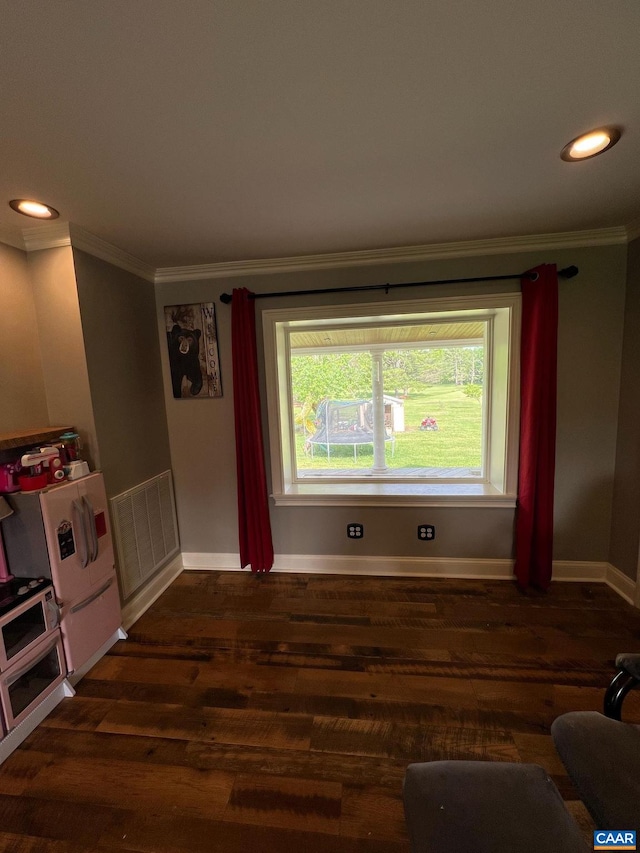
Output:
x=394 y=494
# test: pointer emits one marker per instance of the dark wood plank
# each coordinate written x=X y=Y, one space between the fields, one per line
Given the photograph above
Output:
x=412 y=743
x=20 y=769
x=539 y=749
x=370 y=811
x=50 y=820
x=12 y=843
x=80 y=712
x=146 y=833
x=287 y=803
x=332 y=607
x=366 y=685
x=255 y=728
x=134 y=784
x=280 y=712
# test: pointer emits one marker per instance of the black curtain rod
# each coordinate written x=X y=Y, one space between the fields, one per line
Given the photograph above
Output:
x=567 y=272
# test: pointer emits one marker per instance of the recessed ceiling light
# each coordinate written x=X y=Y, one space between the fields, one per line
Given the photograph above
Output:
x=29 y=207
x=590 y=144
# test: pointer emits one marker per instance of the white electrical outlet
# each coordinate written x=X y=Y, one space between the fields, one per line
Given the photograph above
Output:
x=355 y=531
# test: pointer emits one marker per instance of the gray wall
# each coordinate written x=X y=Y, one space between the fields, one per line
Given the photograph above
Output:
x=123 y=360
x=590 y=344
x=23 y=404
x=625 y=527
x=64 y=365
x=589 y=357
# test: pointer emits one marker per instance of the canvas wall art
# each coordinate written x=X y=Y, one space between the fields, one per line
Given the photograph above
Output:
x=194 y=360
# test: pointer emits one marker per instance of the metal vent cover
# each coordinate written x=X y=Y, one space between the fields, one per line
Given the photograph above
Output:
x=145 y=530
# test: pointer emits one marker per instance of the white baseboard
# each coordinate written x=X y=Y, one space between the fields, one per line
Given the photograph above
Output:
x=579 y=570
x=620 y=583
x=334 y=564
x=446 y=567
x=142 y=600
x=206 y=562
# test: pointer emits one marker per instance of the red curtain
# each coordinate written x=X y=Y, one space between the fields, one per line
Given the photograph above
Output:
x=538 y=369
x=256 y=546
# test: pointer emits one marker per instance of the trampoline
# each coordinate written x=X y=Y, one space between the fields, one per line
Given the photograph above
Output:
x=345 y=423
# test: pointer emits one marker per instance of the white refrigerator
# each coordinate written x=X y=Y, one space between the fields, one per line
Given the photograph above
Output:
x=63 y=533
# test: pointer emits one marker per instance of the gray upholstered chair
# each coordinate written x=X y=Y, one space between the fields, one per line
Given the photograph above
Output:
x=602 y=754
x=486 y=807
x=602 y=757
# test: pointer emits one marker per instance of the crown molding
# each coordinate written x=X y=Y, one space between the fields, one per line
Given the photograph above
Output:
x=87 y=242
x=633 y=229
x=12 y=237
x=55 y=235
x=432 y=252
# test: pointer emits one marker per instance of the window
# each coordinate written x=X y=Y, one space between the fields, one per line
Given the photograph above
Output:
x=394 y=403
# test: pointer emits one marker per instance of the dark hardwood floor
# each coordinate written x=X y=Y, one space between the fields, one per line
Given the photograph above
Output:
x=279 y=712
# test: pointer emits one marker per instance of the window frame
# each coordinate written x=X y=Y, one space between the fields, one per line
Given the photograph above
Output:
x=500 y=439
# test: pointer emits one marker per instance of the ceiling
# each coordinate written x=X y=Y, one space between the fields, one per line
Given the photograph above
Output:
x=389 y=336
x=214 y=131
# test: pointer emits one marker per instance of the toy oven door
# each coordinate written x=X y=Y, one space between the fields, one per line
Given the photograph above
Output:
x=24 y=625
x=32 y=679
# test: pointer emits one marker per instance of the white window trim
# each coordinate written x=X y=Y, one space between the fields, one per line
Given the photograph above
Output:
x=503 y=401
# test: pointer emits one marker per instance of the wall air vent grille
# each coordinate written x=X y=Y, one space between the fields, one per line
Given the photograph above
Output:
x=145 y=530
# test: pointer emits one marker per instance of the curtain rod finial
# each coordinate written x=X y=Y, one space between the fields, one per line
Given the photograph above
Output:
x=226 y=298
x=569 y=272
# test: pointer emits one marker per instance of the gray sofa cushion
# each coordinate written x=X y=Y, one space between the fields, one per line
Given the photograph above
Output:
x=486 y=807
x=602 y=757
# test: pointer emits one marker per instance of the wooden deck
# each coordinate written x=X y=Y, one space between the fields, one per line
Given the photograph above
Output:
x=278 y=713
x=394 y=473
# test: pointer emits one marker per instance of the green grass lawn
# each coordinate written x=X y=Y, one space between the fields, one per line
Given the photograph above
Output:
x=456 y=444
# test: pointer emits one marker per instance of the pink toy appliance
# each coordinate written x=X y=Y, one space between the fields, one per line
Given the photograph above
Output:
x=32 y=663
x=28 y=611
x=62 y=533
x=44 y=467
x=9 y=472
x=5 y=511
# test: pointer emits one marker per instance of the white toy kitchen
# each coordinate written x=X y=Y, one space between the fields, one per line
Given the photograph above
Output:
x=59 y=601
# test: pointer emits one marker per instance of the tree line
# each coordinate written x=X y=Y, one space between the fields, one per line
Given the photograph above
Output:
x=347 y=375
